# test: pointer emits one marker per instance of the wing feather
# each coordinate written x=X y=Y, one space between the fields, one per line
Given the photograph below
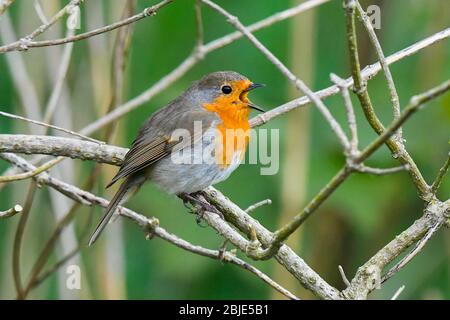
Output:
x=152 y=143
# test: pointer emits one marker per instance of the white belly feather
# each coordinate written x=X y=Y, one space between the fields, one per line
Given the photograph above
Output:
x=192 y=173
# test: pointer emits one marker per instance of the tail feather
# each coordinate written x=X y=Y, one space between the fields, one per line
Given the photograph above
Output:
x=113 y=204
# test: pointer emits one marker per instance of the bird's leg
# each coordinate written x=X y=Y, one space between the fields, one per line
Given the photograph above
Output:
x=204 y=206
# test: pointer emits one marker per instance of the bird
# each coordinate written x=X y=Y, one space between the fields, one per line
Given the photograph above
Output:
x=195 y=141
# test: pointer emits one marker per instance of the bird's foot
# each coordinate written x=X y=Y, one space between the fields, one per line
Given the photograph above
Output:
x=203 y=206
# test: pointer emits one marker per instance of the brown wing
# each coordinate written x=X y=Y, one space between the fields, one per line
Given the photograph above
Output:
x=153 y=140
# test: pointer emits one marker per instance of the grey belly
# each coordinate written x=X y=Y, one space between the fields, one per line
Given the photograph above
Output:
x=194 y=175
x=177 y=178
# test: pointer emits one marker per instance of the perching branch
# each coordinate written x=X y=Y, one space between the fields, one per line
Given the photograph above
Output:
x=149 y=225
x=88 y=150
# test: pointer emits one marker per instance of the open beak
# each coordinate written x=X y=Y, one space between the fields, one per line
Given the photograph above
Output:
x=254 y=86
x=250 y=88
x=255 y=107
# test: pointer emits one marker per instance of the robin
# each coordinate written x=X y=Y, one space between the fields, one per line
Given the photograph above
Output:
x=169 y=149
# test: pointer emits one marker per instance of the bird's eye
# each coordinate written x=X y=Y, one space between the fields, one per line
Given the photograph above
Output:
x=226 y=89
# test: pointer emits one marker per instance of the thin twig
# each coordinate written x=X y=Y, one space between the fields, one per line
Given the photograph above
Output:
x=440 y=177
x=11 y=212
x=413 y=253
x=397 y=149
x=352 y=164
x=387 y=72
x=257 y=205
x=18 y=238
x=165 y=82
x=398 y=293
x=351 y=119
x=88 y=198
x=44 y=27
x=59 y=83
x=343 y=276
x=30 y=174
x=415 y=103
x=367 y=73
x=199 y=24
x=26 y=43
x=379 y=171
x=368 y=276
x=299 y=84
x=43 y=124
x=191 y=61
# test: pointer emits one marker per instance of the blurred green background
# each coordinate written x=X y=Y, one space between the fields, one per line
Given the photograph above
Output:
x=363 y=215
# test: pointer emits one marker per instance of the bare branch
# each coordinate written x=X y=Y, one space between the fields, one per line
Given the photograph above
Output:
x=398 y=293
x=379 y=171
x=43 y=124
x=59 y=84
x=413 y=253
x=191 y=61
x=257 y=205
x=18 y=238
x=352 y=165
x=59 y=146
x=293 y=263
x=387 y=72
x=85 y=197
x=414 y=104
x=351 y=119
x=343 y=276
x=30 y=174
x=286 y=257
x=26 y=43
x=397 y=149
x=199 y=23
x=369 y=277
x=11 y=212
x=367 y=73
x=299 y=84
x=442 y=172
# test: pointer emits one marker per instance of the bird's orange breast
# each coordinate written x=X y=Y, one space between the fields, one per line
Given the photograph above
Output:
x=234 y=129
